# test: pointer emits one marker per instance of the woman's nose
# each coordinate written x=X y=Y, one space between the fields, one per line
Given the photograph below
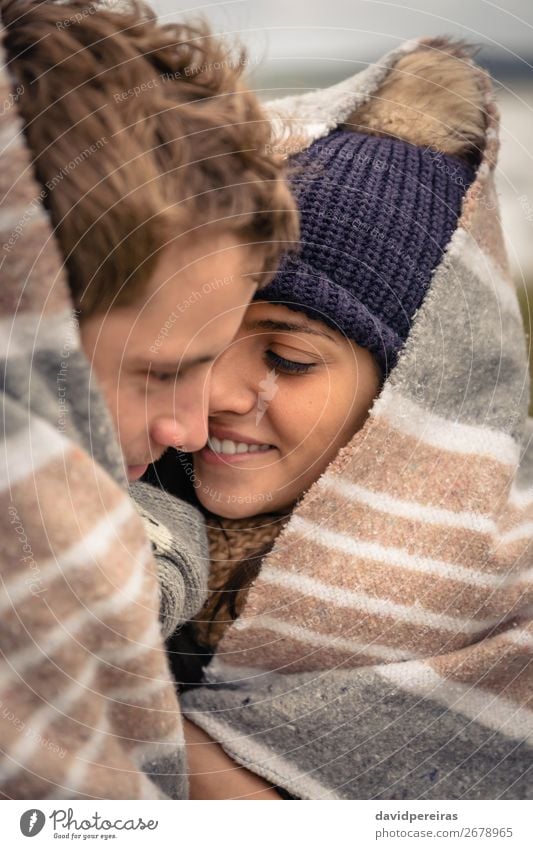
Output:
x=233 y=387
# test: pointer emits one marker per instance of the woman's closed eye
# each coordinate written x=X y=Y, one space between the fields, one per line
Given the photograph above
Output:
x=288 y=366
x=163 y=376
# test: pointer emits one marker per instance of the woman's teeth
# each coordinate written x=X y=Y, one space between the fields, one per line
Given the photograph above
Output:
x=228 y=446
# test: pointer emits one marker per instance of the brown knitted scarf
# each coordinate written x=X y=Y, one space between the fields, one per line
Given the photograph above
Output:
x=230 y=542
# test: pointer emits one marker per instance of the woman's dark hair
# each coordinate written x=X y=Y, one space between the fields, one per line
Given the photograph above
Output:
x=245 y=572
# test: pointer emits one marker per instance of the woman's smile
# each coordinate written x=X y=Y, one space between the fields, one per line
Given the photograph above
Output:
x=229 y=446
x=219 y=451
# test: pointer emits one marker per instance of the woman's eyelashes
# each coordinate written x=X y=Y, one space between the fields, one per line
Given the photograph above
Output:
x=287 y=366
x=163 y=376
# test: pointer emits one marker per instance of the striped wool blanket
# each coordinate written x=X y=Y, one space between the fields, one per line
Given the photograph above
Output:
x=385 y=649
x=87 y=706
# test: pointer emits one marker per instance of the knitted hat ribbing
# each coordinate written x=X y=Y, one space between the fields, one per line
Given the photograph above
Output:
x=376 y=216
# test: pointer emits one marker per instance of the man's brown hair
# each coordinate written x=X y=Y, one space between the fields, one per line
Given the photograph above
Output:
x=141 y=132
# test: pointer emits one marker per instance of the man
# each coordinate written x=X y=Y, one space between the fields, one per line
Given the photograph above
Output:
x=151 y=161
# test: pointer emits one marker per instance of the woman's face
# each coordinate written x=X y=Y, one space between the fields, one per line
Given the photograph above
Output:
x=286 y=395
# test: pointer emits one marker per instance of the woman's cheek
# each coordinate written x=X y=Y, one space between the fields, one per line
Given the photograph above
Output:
x=293 y=417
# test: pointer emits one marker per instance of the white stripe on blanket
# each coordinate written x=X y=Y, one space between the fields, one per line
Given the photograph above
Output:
x=11 y=131
x=341 y=597
x=135 y=694
x=520 y=636
x=20 y=662
x=393 y=556
x=26 y=334
x=522 y=531
x=497 y=712
x=129 y=649
x=28 y=450
x=427 y=513
x=79 y=556
x=315 y=638
x=520 y=498
x=464 y=247
x=24 y=747
x=86 y=757
x=20 y=215
x=412 y=419
x=405 y=509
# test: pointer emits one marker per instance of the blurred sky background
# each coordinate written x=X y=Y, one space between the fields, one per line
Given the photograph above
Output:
x=297 y=45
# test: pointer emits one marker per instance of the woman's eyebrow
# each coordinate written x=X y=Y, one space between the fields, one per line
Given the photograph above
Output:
x=286 y=327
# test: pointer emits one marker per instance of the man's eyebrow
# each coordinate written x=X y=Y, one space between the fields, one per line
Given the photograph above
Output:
x=286 y=327
x=175 y=365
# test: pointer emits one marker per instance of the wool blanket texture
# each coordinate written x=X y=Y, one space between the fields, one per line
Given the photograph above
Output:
x=384 y=651
x=88 y=708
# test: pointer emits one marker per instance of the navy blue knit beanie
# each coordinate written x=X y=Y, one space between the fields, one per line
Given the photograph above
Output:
x=376 y=216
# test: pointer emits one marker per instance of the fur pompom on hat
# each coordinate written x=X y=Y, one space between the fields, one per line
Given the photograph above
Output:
x=379 y=204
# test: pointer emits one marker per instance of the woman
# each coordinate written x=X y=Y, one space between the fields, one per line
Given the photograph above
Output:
x=367 y=512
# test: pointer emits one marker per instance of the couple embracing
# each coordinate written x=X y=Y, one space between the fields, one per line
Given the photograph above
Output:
x=287 y=555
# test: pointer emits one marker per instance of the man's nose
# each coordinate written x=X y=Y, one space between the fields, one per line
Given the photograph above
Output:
x=188 y=433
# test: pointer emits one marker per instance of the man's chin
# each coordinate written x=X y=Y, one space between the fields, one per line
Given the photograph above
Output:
x=136 y=472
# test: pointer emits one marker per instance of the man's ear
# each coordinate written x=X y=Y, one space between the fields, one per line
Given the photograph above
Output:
x=432 y=98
